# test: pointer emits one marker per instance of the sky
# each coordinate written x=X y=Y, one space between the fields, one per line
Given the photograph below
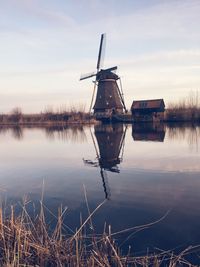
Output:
x=45 y=45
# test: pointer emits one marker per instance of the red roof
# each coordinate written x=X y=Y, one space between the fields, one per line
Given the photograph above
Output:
x=148 y=104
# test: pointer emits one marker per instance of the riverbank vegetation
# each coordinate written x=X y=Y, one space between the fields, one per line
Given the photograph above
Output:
x=186 y=110
x=27 y=240
x=49 y=116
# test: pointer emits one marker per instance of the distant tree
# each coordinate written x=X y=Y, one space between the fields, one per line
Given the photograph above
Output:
x=16 y=114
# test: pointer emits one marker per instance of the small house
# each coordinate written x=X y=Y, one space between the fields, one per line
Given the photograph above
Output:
x=148 y=110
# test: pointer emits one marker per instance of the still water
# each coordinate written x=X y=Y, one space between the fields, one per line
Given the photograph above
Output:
x=144 y=172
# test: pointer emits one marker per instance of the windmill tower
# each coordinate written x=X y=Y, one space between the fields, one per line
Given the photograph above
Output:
x=109 y=97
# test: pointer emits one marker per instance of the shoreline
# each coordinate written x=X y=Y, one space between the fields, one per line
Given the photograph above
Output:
x=92 y=122
x=56 y=123
x=17 y=118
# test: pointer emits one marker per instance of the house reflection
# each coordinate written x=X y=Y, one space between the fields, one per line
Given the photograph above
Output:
x=109 y=146
x=148 y=132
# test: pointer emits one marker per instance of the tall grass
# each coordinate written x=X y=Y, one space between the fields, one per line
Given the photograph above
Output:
x=31 y=241
x=187 y=109
x=61 y=115
x=72 y=113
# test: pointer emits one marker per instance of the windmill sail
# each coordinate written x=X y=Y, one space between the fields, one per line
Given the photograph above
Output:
x=87 y=75
x=101 y=52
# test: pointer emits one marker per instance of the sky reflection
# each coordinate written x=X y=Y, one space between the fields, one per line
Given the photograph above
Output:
x=142 y=179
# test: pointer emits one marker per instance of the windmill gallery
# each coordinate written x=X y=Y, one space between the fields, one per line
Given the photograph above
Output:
x=109 y=104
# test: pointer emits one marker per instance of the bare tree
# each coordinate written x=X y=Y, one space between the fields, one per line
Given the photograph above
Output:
x=16 y=114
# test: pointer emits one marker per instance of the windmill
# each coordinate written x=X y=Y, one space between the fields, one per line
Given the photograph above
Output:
x=109 y=97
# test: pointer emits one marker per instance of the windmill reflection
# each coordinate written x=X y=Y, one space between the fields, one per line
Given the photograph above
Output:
x=148 y=132
x=109 y=147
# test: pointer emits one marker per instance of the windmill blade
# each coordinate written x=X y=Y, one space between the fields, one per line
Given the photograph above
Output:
x=122 y=95
x=87 y=75
x=111 y=69
x=106 y=186
x=93 y=93
x=101 y=51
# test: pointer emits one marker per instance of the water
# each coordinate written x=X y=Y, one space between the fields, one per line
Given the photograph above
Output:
x=146 y=173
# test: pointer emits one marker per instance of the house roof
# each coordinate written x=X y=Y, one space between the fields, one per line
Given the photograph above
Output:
x=148 y=104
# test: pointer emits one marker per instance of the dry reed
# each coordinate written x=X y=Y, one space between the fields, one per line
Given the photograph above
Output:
x=187 y=109
x=49 y=116
x=28 y=241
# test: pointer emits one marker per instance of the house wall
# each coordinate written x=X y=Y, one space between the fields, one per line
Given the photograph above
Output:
x=142 y=116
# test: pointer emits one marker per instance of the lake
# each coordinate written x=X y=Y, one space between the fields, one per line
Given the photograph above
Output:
x=145 y=173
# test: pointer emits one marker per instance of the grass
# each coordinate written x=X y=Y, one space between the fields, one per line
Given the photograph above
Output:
x=31 y=241
x=187 y=109
x=49 y=116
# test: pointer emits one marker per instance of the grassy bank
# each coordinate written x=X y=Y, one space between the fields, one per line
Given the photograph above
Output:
x=186 y=110
x=179 y=113
x=48 y=117
x=31 y=241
